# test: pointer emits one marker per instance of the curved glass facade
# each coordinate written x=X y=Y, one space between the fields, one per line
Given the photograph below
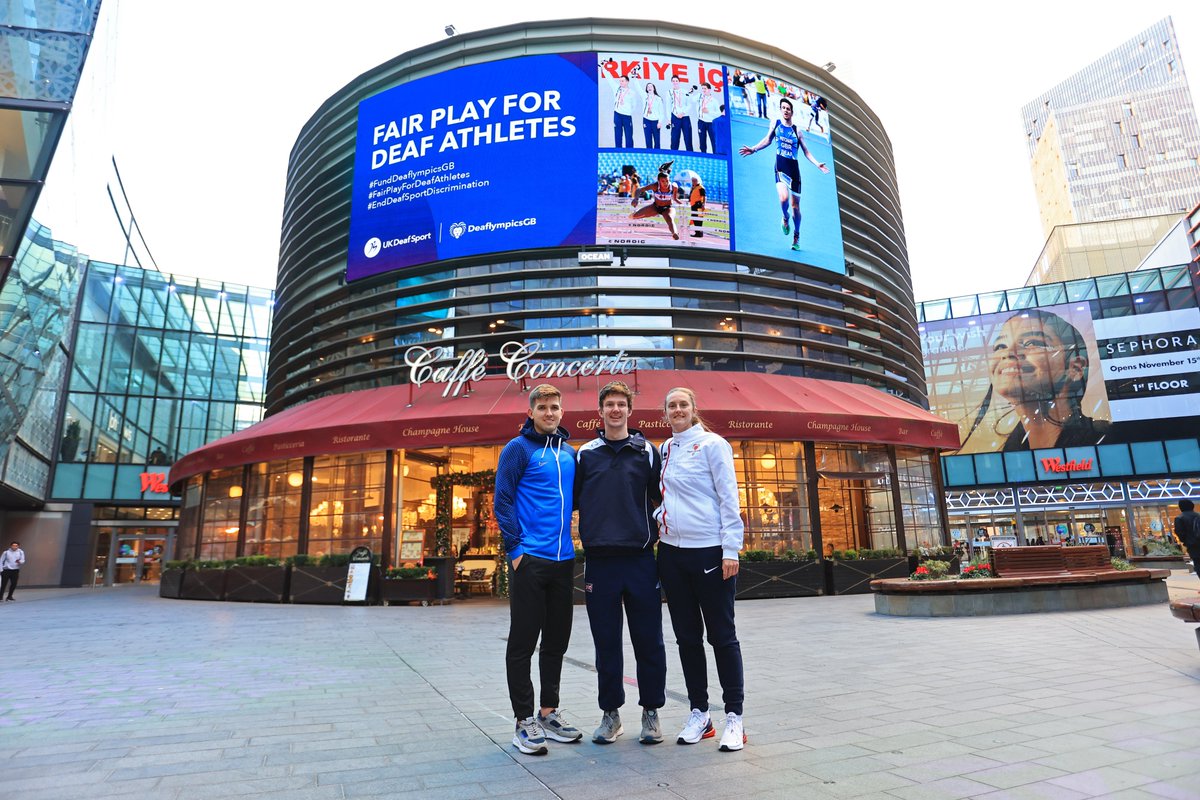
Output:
x=663 y=308
x=706 y=310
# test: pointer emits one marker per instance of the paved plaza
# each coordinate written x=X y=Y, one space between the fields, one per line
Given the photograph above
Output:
x=118 y=693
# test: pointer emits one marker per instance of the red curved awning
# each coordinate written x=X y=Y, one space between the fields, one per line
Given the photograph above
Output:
x=738 y=405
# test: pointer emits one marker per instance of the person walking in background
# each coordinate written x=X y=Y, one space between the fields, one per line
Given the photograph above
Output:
x=534 y=478
x=616 y=491
x=10 y=569
x=1187 y=531
x=700 y=536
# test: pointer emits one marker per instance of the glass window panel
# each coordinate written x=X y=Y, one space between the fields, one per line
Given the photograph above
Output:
x=1114 y=460
x=1183 y=455
x=960 y=471
x=990 y=467
x=23 y=135
x=1019 y=467
x=1148 y=457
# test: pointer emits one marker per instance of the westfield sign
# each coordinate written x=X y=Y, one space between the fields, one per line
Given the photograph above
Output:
x=1058 y=465
x=435 y=365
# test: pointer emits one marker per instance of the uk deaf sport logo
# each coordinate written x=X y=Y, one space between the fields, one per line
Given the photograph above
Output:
x=372 y=247
x=458 y=229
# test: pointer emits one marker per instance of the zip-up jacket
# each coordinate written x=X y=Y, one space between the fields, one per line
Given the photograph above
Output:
x=534 y=480
x=700 y=505
x=616 y=492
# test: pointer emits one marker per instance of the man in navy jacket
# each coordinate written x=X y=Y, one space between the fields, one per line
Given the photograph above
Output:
x=616 y=491
x=534 y=480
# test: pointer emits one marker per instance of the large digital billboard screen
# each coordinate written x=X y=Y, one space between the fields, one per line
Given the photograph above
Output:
x=592 y=148
x=1055 y=377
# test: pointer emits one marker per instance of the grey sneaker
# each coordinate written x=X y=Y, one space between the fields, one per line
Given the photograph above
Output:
x=557 y=727
x=610 y=728
x=651 y=727
x=530 y=738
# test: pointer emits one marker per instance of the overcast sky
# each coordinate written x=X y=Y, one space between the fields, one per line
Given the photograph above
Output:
x=201 y=104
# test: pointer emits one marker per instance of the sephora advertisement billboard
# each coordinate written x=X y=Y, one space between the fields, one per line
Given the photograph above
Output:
x=1056 y=377
x=592 y=148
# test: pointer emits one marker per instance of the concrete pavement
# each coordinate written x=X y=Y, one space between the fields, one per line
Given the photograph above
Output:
x=118 y=694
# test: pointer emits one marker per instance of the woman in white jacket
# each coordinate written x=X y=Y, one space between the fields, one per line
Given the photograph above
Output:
x=700 y=535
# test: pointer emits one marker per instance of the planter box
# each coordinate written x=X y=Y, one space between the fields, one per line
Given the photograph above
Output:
x=762 y=579
x=327 y=585
x=854 y=577
x=319 y=585
x=256 y=584
x=955 y=563
x=444 y=582
x=203 y=584
x=170 y=583
x=407 y=590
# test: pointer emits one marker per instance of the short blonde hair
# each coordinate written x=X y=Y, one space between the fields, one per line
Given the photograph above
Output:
x=541 y=391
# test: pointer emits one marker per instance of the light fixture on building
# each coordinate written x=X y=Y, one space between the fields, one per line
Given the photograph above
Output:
x=235 y=492
x=295 y=479
x=835 y=508
x=767 y=461
x=829 y=66
x=450 y=31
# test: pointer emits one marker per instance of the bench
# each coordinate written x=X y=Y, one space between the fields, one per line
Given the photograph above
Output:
x=1029 y=579
x=476 y=575
x=1188 y=611
x=1020 y=562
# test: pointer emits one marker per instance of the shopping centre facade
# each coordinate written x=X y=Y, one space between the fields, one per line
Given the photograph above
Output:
x=456 y=229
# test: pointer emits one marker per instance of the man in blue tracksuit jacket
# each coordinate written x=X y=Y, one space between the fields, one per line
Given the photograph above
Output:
x=534 y=481
x=616 y=491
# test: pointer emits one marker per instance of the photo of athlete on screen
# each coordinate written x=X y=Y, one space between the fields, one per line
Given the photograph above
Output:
x=663 y=197
x=788 y=140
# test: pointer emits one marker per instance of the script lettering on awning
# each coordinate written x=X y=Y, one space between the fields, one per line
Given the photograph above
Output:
x=425 y=365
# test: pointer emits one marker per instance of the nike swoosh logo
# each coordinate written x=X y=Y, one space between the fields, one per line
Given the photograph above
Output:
x=710 y=570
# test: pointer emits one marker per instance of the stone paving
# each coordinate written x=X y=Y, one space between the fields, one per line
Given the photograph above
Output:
x=119 y=694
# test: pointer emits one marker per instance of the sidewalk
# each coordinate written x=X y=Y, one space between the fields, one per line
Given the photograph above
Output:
x=116 y=693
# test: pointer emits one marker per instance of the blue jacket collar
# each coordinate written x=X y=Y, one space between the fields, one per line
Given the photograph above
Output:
x=530 y=432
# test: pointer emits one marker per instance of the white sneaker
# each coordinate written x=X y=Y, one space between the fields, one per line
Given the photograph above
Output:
x=698 y=726
x=734 y=736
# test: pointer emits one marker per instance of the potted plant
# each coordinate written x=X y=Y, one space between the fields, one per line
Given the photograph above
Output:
x=69 y=446
x=170 y=583
x=409 y=584
x=256 y=579
x=204 y=581
x=763 y=574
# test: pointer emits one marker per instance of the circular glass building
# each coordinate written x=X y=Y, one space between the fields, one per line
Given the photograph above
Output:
x=567 y=202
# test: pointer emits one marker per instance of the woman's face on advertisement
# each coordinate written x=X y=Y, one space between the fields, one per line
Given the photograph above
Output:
x=1030 y=363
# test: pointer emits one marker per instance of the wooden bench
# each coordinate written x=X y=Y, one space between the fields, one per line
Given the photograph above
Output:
x=1088 y=558
x=1188 y=611
x=1020 y=562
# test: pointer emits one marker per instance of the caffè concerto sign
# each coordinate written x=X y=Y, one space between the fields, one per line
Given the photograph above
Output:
x=438 y=365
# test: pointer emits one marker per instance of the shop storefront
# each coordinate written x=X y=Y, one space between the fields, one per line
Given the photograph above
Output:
x=822 y=466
